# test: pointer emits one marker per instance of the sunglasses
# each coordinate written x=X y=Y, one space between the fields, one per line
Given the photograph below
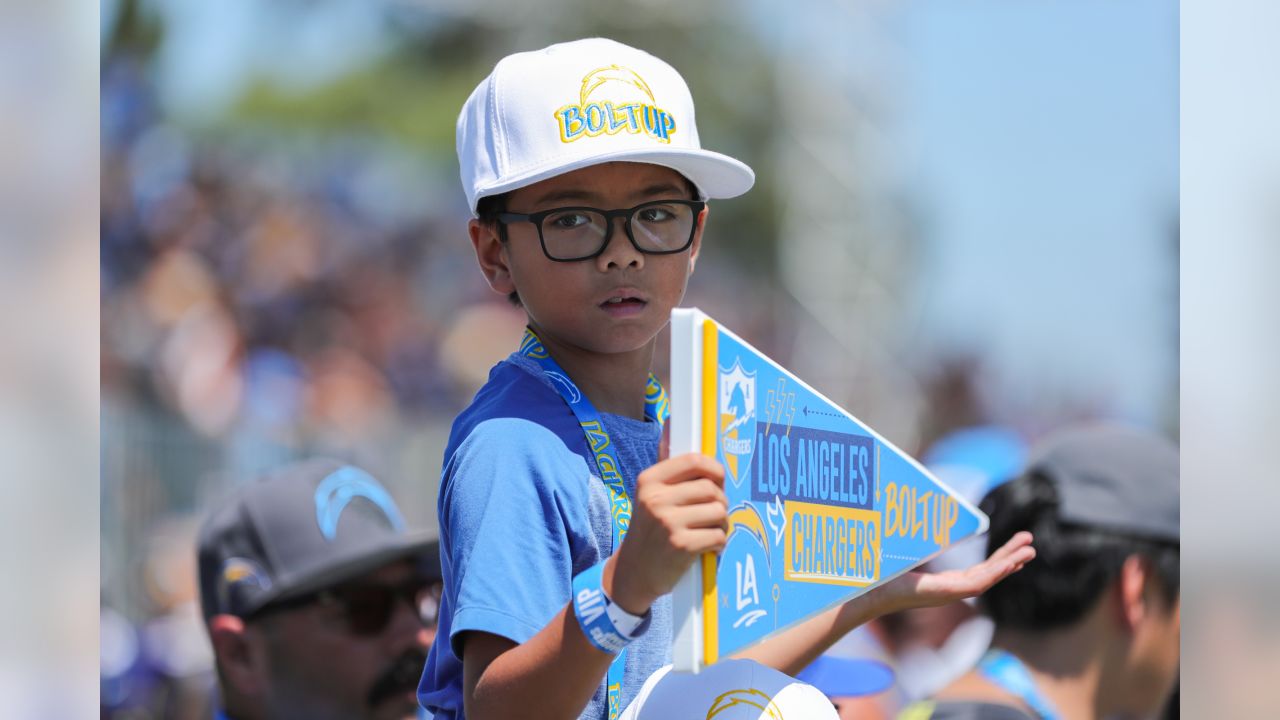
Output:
x=367 y=608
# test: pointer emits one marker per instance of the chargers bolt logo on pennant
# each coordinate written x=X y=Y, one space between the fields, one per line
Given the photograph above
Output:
x=737 y=421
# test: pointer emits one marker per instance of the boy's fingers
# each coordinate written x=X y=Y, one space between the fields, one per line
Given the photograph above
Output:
x=700 y=540
x=1019 y=541
x=664 y=445
x=1010 y=558
x=1005 y=561
x=701 y=490
x=1020 y=553
x=1022 y=557
x=689 y=466
x=706 y=515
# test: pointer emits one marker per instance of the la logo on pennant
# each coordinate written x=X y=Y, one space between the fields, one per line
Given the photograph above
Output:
x=737 y=421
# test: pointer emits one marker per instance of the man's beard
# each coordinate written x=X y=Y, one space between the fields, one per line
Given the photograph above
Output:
x=400 y=677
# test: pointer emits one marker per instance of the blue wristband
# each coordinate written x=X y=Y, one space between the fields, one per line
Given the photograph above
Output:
x=591 y=607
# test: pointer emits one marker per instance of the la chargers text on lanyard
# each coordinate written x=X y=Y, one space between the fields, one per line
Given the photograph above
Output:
x=656 y=408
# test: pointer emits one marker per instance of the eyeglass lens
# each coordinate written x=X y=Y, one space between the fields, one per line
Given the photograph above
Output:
x=369 y=608
x=579 y=232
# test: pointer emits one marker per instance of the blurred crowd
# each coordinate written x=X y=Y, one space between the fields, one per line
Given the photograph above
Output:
x=254 y=311
x=309 y=299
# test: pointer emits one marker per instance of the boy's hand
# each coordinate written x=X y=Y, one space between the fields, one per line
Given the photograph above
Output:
x=921 y=589
x=680 y=512
x=795 y=648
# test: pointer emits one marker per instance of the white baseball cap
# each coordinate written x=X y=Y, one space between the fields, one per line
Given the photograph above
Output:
x=547 y=112
x=729 y=690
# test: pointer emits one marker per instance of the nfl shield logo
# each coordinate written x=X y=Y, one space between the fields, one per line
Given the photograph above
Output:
x=737 y=421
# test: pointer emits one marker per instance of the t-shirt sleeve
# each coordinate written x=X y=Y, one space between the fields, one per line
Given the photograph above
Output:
x=513 y=494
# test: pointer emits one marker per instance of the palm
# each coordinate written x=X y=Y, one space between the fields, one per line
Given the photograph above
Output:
x=925 y=589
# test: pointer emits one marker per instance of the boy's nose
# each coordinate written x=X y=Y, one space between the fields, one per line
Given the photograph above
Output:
x=619 y=251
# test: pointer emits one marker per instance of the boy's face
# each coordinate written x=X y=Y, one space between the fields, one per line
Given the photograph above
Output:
x=569 y=303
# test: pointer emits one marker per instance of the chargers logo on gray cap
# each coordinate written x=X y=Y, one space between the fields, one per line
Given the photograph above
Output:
x=342 y=486
x=240 y=581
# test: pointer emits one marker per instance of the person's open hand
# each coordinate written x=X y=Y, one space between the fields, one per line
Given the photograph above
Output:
x=925 y=589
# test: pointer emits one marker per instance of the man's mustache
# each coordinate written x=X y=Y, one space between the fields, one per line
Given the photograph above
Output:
x=401 y=676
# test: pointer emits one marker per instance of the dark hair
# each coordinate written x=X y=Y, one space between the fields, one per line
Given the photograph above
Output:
x=1074 y=564
x=488 y=207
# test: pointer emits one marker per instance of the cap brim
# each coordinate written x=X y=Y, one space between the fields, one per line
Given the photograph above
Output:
x=717 y=176
x=409 y=546
x=847 y=677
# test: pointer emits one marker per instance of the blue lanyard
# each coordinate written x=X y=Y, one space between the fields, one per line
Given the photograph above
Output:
x=656 y=408
x=1008 y=672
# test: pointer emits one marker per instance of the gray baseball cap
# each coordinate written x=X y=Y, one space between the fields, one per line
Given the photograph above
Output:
x=303 y=528
x=1113 y=477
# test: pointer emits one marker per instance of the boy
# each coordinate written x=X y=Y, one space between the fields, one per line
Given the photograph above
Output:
x=563 y=529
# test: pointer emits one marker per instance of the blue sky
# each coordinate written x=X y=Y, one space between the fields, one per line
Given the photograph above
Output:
x=1040 y=140
x=212 y=49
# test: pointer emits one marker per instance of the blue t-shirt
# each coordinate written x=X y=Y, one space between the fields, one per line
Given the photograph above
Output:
x=522 y=511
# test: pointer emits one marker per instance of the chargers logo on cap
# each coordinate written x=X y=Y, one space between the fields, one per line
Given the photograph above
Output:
x=342 y=486
x=640 y=113
x=748 y=701
x=239 y=582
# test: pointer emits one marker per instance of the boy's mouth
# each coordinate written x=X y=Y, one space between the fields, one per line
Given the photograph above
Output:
x=624 y=303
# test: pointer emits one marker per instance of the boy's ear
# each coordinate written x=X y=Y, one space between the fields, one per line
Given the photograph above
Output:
x=697 y=237
x=240 y=660
x=491 y=255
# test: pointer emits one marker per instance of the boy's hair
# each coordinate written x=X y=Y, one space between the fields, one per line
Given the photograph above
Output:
x=1074 y=566
x=487 y=208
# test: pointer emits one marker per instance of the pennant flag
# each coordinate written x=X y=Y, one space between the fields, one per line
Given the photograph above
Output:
x=821 y=508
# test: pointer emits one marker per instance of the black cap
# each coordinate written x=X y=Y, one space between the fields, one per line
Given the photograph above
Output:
x=1113 y=477
x=306 y=527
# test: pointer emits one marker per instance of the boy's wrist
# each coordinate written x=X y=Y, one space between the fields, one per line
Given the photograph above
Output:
x=606 y=625
x=622 y=593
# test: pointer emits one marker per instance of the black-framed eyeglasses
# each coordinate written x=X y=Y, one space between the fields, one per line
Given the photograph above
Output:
x=367 y=608
x=568 y=234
